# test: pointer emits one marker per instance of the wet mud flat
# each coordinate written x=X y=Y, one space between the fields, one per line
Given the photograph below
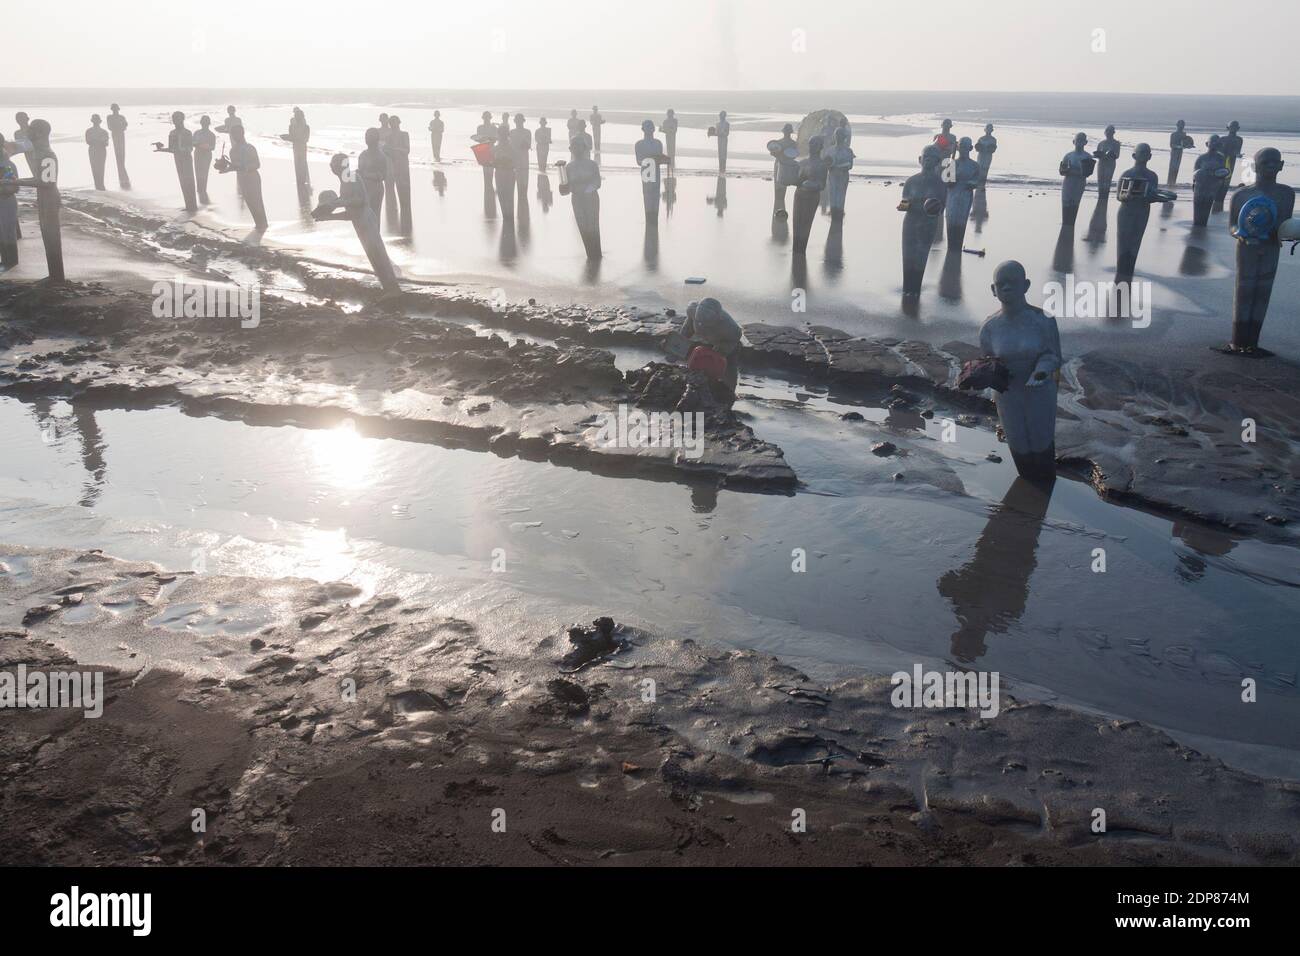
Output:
x=353 y=729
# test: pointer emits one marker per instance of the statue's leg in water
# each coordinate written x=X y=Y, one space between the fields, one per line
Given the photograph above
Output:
x=985 y=161
x=1175 y=161
x=956 y=215
x=1028 y=418
x=47 y=212
x=1131 y=223
x=251 y=184
x=1224 y=184
x=185 y=174
x=650 y=197
x=1256 y=270
x=1071 y=196
x=918 y=236
x=1202 y=204
x=543 y=150
x=404 y=197
x=805 y=210
x=8 y=231
x=586 y=210
x=506 y=193
x=366 y=225
x=98 y=159
x=202 y=164
x=837 y=188
x=778 y=198
x=722 y=155
x=119 y=155
x=300 y=173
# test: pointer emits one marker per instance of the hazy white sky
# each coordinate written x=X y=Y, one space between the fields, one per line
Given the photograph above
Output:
x=1165 y=46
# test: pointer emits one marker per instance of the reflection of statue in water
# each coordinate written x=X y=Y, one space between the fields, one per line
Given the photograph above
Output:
x=963 y=175
x=180 y=143
x=440 y=182
x=785 y=168
x=837 y=179
x=503 y=163
x=1138 y=189
x=1076 y=167
x=8 y=209
x=1257 y=213
x=543 y=143
x=116 y=124
x=719 y=198
x=46 y=180
x=1211 y=169
x=985 y=147
x=669 y=128
x=990 y=592
x=650 y=157
x=244 y=163
x=597 y=121
x=205 y=144
x=436 y=128
x=580 y=179
x=979 y=210
x=544 y=195
x=1178 y=141
x=352 y=205
x=399 y=159
x=298 y=136
x=372 y=169
x=1028 y=343
x=1230 y=146
x=924 y=198
x=1106 y=154
x=722 y=131
x=97 y=142
x=807 y=193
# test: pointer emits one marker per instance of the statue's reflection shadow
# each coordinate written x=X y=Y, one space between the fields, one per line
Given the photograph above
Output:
x=1063 y=255
x=950 y=277
x=989 y=593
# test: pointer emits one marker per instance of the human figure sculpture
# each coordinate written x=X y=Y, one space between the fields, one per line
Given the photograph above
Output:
x=807 y=193
x=298 y=136
x=390 y=182
x=837 y=178
x=544 y=194
x=1257 y=213
x=1106 y=154
x=45 y=178
x=180 y=143
x=8 y=209
x=709 y=325
x=1028 y=343
x=117 y=124
x=651 y=159
x=521 y=142
x=574 y=124
x=372 y=169
x=945 y=141
x=542 y=140
x=350 y=203
x=205 y=144
x=580 y=140
x=962 y=177
x=580 y=180
x=436 y=128
x=1230 y=146
x=1211 y=169
x=486 y=132
x=723 y=131
x=597 y=121
x=1075 y=167
x=1138 y=189
x=244 y=163
x=503 y=164
x=924 y=196
x=1178 y=141
x=230 y=122
x=669 y=128
x=785 y=168
x=97 y=144
x=985 y=147
x=23 y=140
x=399 y=159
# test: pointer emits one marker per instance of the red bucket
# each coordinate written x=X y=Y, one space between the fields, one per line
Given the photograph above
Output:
x=483 y=153
x=712 y=363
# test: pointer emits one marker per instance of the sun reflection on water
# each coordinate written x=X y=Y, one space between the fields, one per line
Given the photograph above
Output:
x=342 y=456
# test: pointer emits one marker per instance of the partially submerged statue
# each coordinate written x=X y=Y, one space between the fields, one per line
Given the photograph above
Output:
x=521 y=143
x=837 y=180
x=486 y=132
x=669 y=128
x=97 y=143
x=597 y=121
x=205 y=144
x=117 y=124
x=1230 y=146
x=351 y=204
x=807 y=194
x=580 y=179
x=651 y=159
x=180 y=143
x=924 y=198
x=543 y=143
x=1028 y=344
x=962 y=180
x=722 y=131
x=436 y=128
x=298 y=136
x=1138 y=189
x=785 y=168
x=1075 y=167
x=1178 y=141
x=985 y=147
x=244 y=163
x=399 y=161
x=1106 y=154
x=1257 y=213
x=1211 y=169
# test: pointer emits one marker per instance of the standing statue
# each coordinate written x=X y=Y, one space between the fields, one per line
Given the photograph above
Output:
x=963 y=176
x=669 y=128
x=785 y=168
x=924 y=198
x=543 y=143
x=651 y=158
x=205 y=144
x=597 y=121
x=807 y=193
x=390 y=181
x=8 y=209
x=521 y=142
x=1106 y=154
x=1178 y=141
x=244 y=163
x=580 y=179
x=837 y=179
x=116 y=124
x=945 y=141
x=351 y=204
x=399 y=158
x=230 y=122
x=372 y=169
x=1230 y=146
x=1138 y=189
x=180 y=143
x=503 y=163
x=1027 y=343
x=436 y=129
x=580 y=140
x=985 y=147
x=45 y=177
x=574 y=124
x=298 y=136
x=722 y=131
x=1211 y=169
x=97 y=142
x=23 y=140
x=1257 y=213
x=1075 y=167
